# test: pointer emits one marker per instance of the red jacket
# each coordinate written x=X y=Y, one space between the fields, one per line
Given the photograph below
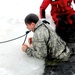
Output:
x=58 y=6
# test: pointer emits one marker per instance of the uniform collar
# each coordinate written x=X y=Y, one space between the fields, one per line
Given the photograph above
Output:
x=39 y=23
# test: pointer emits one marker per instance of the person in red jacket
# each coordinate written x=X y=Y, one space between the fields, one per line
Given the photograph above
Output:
x=63 y=16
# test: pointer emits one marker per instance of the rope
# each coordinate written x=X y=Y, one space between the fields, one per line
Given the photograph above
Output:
x=16 y=38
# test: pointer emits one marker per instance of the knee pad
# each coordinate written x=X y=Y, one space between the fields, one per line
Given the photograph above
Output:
x=61 y=22
x=73 y=21
x=72 y=17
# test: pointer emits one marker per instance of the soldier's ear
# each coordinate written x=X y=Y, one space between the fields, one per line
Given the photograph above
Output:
x=33 y=24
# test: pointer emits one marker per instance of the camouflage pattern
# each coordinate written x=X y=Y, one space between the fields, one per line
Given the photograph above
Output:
x=55 y=45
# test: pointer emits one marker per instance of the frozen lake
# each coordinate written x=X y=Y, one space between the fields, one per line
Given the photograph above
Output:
x=12 y=60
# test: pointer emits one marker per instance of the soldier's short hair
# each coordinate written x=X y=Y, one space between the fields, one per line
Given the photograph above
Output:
x=31 y=18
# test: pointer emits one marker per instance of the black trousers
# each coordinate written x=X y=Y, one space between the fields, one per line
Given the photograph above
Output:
x=64 y=68
x=66 y=31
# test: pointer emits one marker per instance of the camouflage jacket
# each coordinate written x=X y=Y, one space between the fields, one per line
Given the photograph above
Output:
x=46 y=41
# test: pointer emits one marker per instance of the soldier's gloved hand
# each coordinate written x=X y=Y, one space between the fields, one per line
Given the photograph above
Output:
x=24 y=47
x=45 y=21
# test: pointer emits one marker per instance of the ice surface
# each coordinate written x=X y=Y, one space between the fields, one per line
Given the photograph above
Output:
x=12 y=60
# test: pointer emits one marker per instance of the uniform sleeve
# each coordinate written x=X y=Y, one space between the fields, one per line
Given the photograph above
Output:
x=43 y=6
x=38 y=48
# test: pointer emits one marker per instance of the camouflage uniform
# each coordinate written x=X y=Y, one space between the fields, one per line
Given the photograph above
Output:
x=47 y=45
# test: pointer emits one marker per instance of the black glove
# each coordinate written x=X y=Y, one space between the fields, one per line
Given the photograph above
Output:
x=44 y=21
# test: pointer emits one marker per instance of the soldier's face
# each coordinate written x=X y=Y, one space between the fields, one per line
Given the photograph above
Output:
x=30 y=26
